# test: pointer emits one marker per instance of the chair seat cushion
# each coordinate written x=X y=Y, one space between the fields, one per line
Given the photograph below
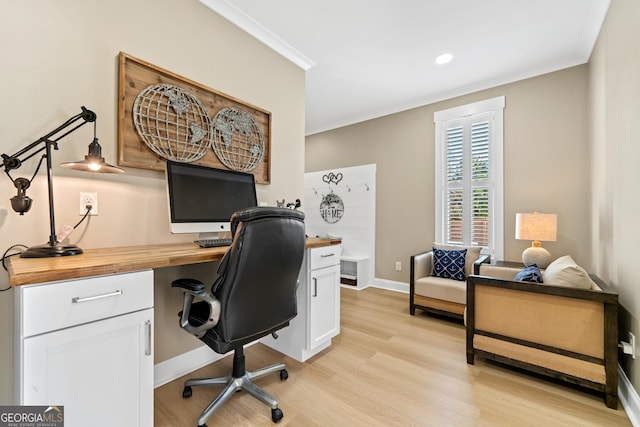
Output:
x=444 y=289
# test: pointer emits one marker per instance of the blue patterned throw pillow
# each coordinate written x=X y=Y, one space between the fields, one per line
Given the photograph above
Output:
x=531 y=273
x=449 y=264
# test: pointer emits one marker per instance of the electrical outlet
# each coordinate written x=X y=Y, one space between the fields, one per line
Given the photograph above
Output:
x=632 y=342
x=88 y=199
x=398 y=266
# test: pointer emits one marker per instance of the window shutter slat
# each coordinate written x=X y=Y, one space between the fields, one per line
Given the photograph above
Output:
x=455 y=229
x=455 y=154
x=480 y=216
x=480 y=151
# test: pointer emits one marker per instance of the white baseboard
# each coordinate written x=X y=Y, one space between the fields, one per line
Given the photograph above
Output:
x=178 y=366
x=628 y=398
x=390 y=285
x=185 y=363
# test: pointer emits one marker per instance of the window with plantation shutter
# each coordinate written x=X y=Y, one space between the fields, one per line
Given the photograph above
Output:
x=469 y=176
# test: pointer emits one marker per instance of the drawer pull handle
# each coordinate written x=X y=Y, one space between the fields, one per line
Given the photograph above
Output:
x=115 y=293
x=147 y=344
x=326 y=255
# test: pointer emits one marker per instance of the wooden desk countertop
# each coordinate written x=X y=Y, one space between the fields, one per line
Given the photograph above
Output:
x=97 y=262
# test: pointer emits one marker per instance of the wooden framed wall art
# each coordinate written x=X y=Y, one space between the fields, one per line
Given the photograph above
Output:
x=163 y=116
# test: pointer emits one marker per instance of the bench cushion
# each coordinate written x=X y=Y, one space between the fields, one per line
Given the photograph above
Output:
x=444 y=289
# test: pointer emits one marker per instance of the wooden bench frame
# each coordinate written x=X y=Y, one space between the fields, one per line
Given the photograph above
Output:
x=521 y=351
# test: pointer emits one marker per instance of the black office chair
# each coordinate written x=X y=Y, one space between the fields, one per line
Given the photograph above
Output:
x=253 y=296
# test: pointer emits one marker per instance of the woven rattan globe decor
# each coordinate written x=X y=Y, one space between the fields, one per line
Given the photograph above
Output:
x=237 y=140
x=173 y=123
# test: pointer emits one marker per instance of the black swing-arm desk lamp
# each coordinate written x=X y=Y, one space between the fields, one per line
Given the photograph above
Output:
x=93 y=162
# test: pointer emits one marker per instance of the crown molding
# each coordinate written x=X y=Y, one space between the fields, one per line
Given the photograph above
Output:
x=262 y=34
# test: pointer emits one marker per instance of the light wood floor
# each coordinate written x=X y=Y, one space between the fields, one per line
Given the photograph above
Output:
x=387 y=368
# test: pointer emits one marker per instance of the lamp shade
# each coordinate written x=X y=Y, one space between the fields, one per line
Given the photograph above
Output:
x=536 y=226
x=93 y=162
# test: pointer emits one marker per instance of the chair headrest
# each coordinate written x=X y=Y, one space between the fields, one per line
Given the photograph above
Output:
x=263 y=212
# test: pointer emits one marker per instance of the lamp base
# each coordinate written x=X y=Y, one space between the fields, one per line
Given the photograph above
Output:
x=48 y=251
x=538 y=255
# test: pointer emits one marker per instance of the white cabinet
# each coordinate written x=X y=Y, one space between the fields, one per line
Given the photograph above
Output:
x=324 y=305
x=87 y=345
x=318 y=319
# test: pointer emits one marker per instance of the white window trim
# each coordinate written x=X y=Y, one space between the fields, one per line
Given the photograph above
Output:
x=495 y=105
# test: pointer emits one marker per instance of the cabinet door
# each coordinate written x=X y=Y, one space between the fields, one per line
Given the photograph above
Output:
x=101 y=372
x=324 y=307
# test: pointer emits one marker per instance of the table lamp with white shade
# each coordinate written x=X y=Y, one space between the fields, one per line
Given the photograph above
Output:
x=536 y=227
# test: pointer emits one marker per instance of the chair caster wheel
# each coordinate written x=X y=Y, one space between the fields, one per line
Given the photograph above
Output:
x=186 y=393
x=203 y=425
x=276 y=415
x=284 y=374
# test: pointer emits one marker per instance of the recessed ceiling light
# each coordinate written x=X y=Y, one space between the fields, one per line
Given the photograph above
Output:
x=444 y=58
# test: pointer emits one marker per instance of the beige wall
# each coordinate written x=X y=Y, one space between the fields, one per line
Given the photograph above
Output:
x=58 y=55
x=615 y=143
x=546 y=167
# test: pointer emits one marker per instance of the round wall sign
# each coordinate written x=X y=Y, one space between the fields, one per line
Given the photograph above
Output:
x=331 y=208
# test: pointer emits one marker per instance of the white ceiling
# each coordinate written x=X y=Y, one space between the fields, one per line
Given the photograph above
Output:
x=368 y=58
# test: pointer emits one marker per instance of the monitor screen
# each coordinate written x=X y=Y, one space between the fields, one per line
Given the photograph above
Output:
x=202 y=199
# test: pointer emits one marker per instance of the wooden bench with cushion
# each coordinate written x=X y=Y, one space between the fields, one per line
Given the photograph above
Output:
x=563 y=332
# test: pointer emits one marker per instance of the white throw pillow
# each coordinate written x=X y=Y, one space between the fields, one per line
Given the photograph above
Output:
x=565 y=272
x=473 y=253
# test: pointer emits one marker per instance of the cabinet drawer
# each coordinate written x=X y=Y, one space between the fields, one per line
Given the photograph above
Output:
x=52 y=306
x=324 y=256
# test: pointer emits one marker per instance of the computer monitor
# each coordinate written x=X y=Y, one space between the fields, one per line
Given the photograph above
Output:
x=202 y=199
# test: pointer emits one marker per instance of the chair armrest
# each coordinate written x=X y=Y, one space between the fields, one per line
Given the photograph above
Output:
x=191 y=285
x=421 y=265
x=605 y=295
x=195 y=289
x=482 y=259
x=498 y=272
